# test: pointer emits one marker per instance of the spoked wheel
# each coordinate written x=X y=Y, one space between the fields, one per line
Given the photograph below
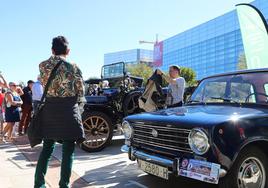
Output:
x=98 y=131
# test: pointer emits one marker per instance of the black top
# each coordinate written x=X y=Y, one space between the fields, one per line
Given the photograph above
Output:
x=27 y=96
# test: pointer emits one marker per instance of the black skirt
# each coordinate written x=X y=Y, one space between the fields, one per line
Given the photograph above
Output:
x=61 y=119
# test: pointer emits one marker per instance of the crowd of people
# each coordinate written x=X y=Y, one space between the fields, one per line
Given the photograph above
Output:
x=16 y=107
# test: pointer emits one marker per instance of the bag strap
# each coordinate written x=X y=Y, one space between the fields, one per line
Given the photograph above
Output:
x=51 y=77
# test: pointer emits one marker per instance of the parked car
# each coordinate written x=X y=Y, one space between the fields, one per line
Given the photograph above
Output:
x=219 y=136
x=109 y=99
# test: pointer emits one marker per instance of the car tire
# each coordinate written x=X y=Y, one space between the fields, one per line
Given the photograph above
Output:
x=98 y=131
x=248 y=157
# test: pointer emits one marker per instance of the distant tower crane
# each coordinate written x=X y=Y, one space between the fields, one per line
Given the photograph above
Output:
x=149 y=42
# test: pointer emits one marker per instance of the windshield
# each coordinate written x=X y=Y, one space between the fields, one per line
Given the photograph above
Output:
x=238 y=88
x=113 y=70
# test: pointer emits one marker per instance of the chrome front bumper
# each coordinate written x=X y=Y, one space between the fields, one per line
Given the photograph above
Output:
x=134 y=154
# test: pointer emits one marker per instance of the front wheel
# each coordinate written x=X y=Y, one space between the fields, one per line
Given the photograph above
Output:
x=98 y=131
x=248 y=171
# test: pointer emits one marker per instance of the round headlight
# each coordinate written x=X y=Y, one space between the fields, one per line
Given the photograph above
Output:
x=127 y=130
x=198 y=141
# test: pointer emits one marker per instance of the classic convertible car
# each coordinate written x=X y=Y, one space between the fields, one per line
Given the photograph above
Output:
x=219 y=136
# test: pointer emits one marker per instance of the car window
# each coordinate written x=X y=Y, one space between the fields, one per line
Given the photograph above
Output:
x=240 y=92
x=215 y=89
x=237 y=88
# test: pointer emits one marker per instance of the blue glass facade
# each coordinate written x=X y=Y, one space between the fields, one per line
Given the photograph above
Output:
x=129 y=57
x=210 y=48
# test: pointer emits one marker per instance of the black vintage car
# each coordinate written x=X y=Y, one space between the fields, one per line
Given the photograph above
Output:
x=219 y=136
x=108 y=100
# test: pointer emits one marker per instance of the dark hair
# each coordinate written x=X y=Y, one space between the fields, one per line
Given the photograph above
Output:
x=30 y=82
x=4 y=90
x=176 y=67
x=60 y=45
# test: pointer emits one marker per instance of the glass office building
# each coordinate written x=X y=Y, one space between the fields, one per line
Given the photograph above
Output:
x=210 y=48
x=129 y=57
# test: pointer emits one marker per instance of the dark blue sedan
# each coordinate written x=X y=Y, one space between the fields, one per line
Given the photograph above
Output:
x=219 y=136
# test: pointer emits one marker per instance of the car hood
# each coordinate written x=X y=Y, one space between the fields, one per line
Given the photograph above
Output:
x=205 y=115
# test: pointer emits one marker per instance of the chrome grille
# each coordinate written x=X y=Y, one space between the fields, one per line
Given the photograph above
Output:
x=169 y=138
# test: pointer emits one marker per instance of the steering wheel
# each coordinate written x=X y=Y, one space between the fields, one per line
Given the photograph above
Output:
x=247 y=98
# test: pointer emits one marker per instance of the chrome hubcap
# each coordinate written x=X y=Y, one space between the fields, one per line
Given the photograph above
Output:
x=251 y=174
x=96 y=131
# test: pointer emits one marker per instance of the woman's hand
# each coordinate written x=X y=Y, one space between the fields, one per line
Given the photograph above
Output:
x=3 y=82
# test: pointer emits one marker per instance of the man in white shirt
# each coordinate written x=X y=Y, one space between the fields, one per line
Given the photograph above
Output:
x=37 y=93
x=176 y=86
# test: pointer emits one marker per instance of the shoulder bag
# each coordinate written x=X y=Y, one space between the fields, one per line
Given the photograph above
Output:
x=34 y=131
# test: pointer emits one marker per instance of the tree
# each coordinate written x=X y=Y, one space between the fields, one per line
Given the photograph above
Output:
x=189 y=75
x=242 y=62
x=141 y=70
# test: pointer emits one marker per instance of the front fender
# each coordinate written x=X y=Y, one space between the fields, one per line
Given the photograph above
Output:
x=228 y=139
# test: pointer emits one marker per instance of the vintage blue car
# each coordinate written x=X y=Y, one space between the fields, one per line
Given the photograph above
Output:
x=219 y=136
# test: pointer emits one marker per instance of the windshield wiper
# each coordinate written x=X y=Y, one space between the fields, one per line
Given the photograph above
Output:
x=225 y=99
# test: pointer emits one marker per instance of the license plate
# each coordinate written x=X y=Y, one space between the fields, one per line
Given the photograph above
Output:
x=153 y=169
x=199 y=170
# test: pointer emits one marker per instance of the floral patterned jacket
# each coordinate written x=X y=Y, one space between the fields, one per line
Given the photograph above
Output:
x=68 y=81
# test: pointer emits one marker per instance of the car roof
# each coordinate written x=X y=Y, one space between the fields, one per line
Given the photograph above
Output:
x=246 y=71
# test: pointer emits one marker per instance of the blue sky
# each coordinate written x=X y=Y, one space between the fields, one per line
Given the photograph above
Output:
x=93 y=27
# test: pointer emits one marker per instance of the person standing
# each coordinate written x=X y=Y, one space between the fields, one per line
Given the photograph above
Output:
x=12 y=111
x=61 y=119
x=26 y=108
x=3 y=84
x=37 y=91
x=2 y=97
x=176 y=86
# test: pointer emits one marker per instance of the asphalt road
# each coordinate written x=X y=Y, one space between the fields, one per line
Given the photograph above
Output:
x=111 y=168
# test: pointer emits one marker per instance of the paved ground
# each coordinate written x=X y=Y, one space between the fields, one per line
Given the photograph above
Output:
x=109 y=168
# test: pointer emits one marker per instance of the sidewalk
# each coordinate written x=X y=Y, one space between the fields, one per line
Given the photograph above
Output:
x=18 y=163
x=16 y=170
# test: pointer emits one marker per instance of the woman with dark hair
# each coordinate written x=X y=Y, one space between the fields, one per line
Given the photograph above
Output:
x=12 y=110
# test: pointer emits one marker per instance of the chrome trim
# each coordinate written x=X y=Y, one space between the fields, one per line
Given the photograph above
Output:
x=165 y=128
x=127 y=124
x=169 y=138
x=182 y=137
x=157 y=160
x=222 y=173
x=193 y=147
x=153 y=159
x=188 y=150
x=251 y=174
x=125 y=149
x=156 y=138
